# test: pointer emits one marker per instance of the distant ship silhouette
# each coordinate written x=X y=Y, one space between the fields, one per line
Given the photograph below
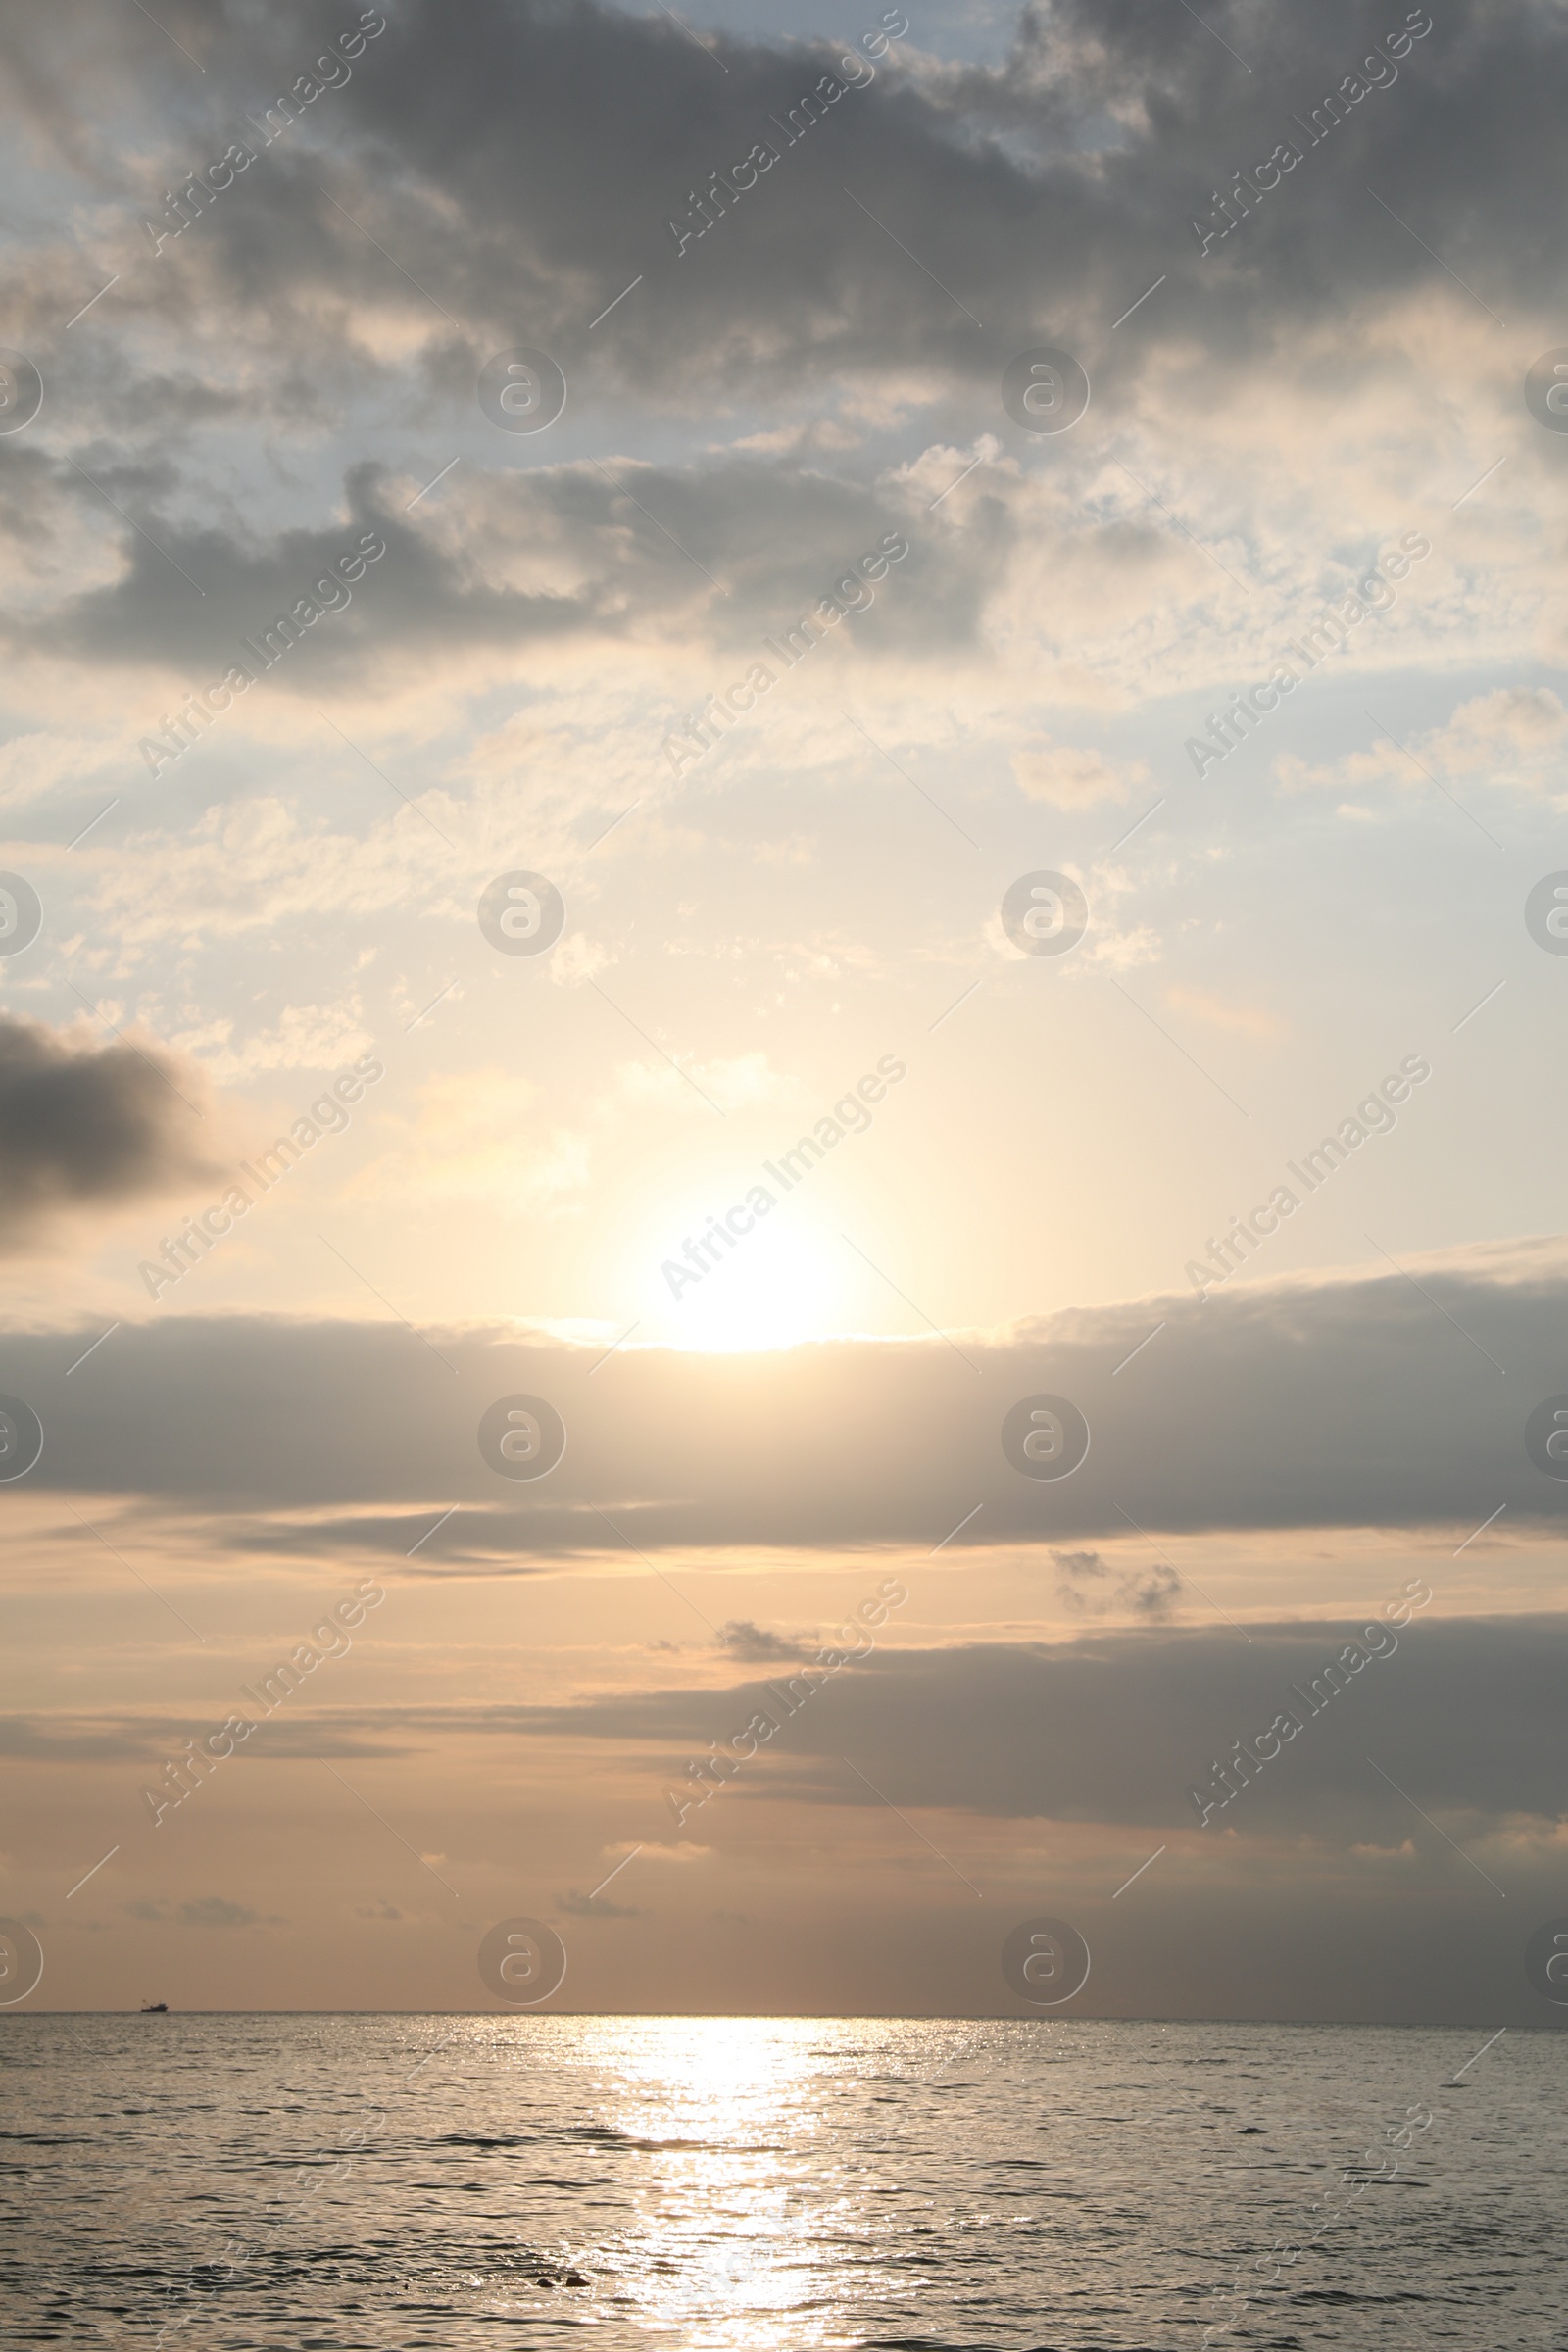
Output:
x=154 y=2009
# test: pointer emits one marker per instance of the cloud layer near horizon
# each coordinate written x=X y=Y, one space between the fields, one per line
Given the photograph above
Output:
x=1117 y=1727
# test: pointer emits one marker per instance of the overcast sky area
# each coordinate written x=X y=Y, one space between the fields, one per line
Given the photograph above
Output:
x=877 y=947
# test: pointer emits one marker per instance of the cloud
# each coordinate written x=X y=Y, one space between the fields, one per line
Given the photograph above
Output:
x=312 y=1037
x=418 y=591
x=1353 y=1399
x=1522 y=723
x=87 y=1126
x=207 y=1911
x=1087 y=1585
x=1511 y=739
x=741 y=1638
x=1118 y=1727
x=511 y=561
x=34 y=766
x=1113 y=1727
x=143 y=1739
x=529 y=172
x=1070 y=778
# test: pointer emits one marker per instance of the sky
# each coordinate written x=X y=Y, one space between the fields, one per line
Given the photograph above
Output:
x=781 y=979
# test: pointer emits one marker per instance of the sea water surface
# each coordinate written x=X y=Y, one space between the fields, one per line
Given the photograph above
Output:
x=738 y=2185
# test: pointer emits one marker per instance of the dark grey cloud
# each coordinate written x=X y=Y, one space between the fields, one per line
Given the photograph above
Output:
x=1463 y=1714
x=576 y=1905
x=636 y=551
x=524 y=167
x=355 y=598
x=1359 y=1401
x=758 y=1644
x=1038 y=194
x=1087 y=1584
x=86 y=1127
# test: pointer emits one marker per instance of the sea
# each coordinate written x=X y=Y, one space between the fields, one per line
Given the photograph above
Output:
x=762 y=2185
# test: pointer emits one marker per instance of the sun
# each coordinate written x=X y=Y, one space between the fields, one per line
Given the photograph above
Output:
x=781 y=1283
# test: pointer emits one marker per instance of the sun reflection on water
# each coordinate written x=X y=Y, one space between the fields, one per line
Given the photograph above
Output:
x=728 y=2243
